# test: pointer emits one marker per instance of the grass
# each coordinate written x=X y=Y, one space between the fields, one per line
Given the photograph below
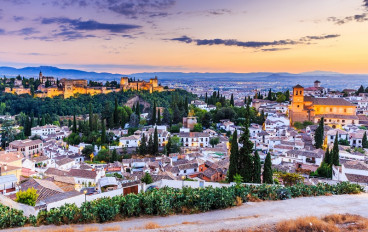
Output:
x=306 y=224
x=112 y=228
x=151 y=225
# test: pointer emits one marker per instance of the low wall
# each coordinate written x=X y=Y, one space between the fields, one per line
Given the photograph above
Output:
x=27 y=210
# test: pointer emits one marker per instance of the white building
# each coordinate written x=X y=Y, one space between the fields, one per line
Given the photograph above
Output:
x=130 y=141
x=195 y=139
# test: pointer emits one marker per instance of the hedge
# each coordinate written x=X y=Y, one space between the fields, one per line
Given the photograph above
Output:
x=168 y=201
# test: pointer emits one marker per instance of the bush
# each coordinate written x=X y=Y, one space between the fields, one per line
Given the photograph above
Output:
x=166 y=201
x=28 y=197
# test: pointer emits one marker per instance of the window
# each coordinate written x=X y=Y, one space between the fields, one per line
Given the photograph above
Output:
x=300 y=92
x=298 y=106
x=330 y=109
x=185 y=171
x=344 y=110
x=195 y=169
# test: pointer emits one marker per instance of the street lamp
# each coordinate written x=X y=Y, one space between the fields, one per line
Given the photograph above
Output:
x=183 y=178
x=85 y=195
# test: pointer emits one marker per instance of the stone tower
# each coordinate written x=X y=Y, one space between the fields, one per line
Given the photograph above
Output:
x=124 y=82
x=317 y=84
x=297 y=104
x=40 y=76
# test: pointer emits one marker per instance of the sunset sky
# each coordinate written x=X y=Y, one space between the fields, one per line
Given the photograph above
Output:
x=129 y=36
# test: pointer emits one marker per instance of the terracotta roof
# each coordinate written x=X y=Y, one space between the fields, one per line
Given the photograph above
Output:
x=25 y=143
x=298 y=86
x=44 y=188
x=82 y=173
x=354 y=164
x=8 y=157
x=64 y=161
x=357 y=178
x=337 y=116
x=329 y=101
x=55 y=172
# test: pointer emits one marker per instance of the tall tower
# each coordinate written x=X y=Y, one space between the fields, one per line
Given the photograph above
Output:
x=317 y=84
x=297 y=104
x=124 y=82
x=40 y=76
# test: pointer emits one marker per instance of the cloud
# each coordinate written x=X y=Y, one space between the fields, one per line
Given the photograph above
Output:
x=2 y=31
x=18 y=18
x=274 y=49
x=90 y=25
x=219 y=12
x=133 y=8
x=252 y=44
x=357 y=18
x=365 y=3
x=27 y=31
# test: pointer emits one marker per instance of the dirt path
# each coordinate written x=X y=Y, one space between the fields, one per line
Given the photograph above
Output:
x=248 y=215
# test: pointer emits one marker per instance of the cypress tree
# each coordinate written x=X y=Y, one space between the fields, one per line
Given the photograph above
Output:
x=43 y=121
x=26 y=127
x=150 y=147
x=206 y=99
x=74 y=124
x=116 y=114
x=168 y=146
x=103 y=132
x=153 y=117
x=257 y=168
x=90 y=117
x=234 y=157
x=335 y=152
x=114 y=156
x=245 y=157
x=159 y=117
x=137 y=109
x=327 y=159
x=319 y=134
x=124 y=118
x=143 y=146
x=364 y=141
x=287 y=95
x=186 y=106
x=269 y=97
x=232 y=100
x=155 y=142
x=267 y=170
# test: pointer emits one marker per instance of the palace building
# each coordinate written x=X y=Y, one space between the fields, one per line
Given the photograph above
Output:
x=152 y=85
x=69 y=87
x=336 y=112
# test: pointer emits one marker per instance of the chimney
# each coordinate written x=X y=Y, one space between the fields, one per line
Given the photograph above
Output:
x=5 y=167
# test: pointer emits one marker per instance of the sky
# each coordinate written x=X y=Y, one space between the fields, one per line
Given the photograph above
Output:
x=132 y=36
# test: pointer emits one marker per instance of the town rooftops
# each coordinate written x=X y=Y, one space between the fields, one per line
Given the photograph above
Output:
x=193 y=134
x=298 y=86
x=7 y=179
x=354 y=164
x=8 y=157
x=25 y=143
x=328 y=101
x=64 y=161
x=82 y=173
x=337 y=116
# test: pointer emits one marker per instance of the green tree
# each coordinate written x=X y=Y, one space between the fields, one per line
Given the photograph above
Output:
x=319 y=134
x=198 y=127
x=281 y=98
x=335 y=152
x=151 y=146
x=232 y=100
x=103 y=132
x=287 y=95
x=147 y=178
x=74 y=130
x=214 y=141
x=154 y=112
x=28 y=197
x=206 y=121
x=269 y=96
x=327 y=159
x=365 y=141
x=257 y=168
x=238 y=179
x=155 y=142
x=90 y=117
x=114 y=156
x=87 y=151
x=267 y=170
x=116 y=114
x=245 y=157
x=360 y=90
x=142 y=149
x=124 y=118
x=166 y=117
x=159 y=117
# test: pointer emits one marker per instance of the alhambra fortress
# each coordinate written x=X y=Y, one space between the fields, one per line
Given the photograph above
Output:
x=50 y=87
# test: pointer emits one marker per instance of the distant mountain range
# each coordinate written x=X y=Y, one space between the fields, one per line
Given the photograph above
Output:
x=328 y=79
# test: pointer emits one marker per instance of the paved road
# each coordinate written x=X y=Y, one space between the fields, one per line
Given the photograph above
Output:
x=248 y=215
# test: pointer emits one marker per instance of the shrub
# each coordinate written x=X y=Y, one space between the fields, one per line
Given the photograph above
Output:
x=28 y=197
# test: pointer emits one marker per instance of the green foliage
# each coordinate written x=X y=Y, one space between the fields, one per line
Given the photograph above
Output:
x=166 y=201
x=87 y=151
x=290 y=179
x=198 y=127
x=147 y=178
x=267 y=170
x=344 y=142
x=238 y=179
x=335 y=152
x=234 y=156
x=365 y=141
x=28 y=197
x=257 y=168
x=319 y=134
x=214 y=141
x=73 y=139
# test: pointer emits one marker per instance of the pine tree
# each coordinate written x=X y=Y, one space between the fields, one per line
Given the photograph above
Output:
x=116 y=114
x=74 y=124
x=335 y=152
x=26 y=127
x=158 y=117
x=166 y=117
x=155 y=142
x=103 y=132
x=90 y=117
x=267 y=170
x=206 y=99
x=137 y=109
x=186 y=106
x=287 y=95
x=257 y=168
x=364 y=141
x=234 y=157
x=319 y=134
x=124 y=118
x=360 y=90
x=232 y=100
